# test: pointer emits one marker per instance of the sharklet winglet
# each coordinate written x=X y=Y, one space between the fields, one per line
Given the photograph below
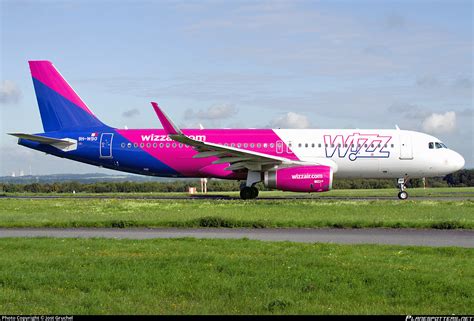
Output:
x=168 y=125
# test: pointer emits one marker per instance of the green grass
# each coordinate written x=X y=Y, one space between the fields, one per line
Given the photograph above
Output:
x=236 y=213
x=388 y=192
x=189 y=276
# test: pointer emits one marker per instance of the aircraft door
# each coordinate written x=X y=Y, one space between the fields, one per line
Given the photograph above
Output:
x=106 y=145
x=279 y=147
x=406 y=147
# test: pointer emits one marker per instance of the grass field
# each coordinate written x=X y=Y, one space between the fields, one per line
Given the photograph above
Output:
x=236 y=213
x=188 y=276
x=387 y=192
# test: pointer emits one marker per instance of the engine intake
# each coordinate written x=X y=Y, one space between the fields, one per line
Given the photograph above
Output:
x=316 y=178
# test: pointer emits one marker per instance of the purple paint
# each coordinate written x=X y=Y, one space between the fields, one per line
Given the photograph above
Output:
x=316 y=178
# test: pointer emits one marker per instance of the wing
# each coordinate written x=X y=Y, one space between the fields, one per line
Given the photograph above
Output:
x=236 y=157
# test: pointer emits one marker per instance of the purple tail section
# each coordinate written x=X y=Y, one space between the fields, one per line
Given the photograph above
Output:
x=60 y=107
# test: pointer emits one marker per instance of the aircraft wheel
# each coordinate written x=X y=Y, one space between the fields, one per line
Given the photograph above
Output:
x=254 y=192
x=403 y=195
x=246 y=193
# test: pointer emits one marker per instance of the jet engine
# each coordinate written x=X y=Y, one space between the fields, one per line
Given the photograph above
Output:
x=317 y=178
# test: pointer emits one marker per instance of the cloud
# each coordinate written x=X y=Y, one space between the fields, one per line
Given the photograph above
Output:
x=394 y=21
x=427 y=81
x=440 y=123
x=291 y=120
x=214 y=112
x=408 y=111
x=10 y=93
x=462 y=83
x=131 y=113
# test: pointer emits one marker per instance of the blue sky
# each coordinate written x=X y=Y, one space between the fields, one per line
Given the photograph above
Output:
x=321 y=64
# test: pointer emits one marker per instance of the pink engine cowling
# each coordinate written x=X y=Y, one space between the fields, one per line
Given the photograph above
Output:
x=316 y=178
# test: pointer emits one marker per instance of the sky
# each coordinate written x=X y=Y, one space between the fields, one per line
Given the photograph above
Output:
x=247 y=64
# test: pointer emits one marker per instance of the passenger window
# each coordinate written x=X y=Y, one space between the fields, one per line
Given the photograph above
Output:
x=319 y=145
x=306 y=145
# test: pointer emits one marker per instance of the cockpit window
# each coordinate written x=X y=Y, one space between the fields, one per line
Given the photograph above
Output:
x=436 y=145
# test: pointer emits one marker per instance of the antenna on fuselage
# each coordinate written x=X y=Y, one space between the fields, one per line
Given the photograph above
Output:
x=396 y=127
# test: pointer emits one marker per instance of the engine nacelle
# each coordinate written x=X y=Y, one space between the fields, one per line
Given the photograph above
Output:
x=317 y=178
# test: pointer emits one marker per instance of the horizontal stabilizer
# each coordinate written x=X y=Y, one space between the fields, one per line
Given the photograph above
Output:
x=64 y=144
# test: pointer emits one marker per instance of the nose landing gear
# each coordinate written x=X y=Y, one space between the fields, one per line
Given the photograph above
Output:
x=403 y=195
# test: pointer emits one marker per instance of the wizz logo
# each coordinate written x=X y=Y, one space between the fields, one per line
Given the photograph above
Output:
x=357 y=146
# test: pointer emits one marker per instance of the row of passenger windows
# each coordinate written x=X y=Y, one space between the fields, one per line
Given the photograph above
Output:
x=436 y=145
x=345 y=145
x=155 y=145
x=251 y=145
x=180 y=145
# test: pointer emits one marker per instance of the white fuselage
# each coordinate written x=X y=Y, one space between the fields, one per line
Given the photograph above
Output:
x=374 y=153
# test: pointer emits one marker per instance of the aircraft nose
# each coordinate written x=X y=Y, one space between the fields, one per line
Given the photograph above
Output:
x=457 y=161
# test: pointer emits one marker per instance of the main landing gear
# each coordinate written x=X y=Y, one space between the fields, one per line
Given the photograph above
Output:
x=247 y=192
x=248 y=189
x=403 y=195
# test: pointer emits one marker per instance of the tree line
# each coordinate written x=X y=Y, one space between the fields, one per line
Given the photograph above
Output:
x=462 y=178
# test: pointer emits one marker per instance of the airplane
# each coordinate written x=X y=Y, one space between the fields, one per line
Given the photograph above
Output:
x=296 y=160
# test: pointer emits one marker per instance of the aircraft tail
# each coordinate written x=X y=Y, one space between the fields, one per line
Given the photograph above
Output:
x=60 y=107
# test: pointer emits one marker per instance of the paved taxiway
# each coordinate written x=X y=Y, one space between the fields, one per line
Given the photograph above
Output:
x=422 y=237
